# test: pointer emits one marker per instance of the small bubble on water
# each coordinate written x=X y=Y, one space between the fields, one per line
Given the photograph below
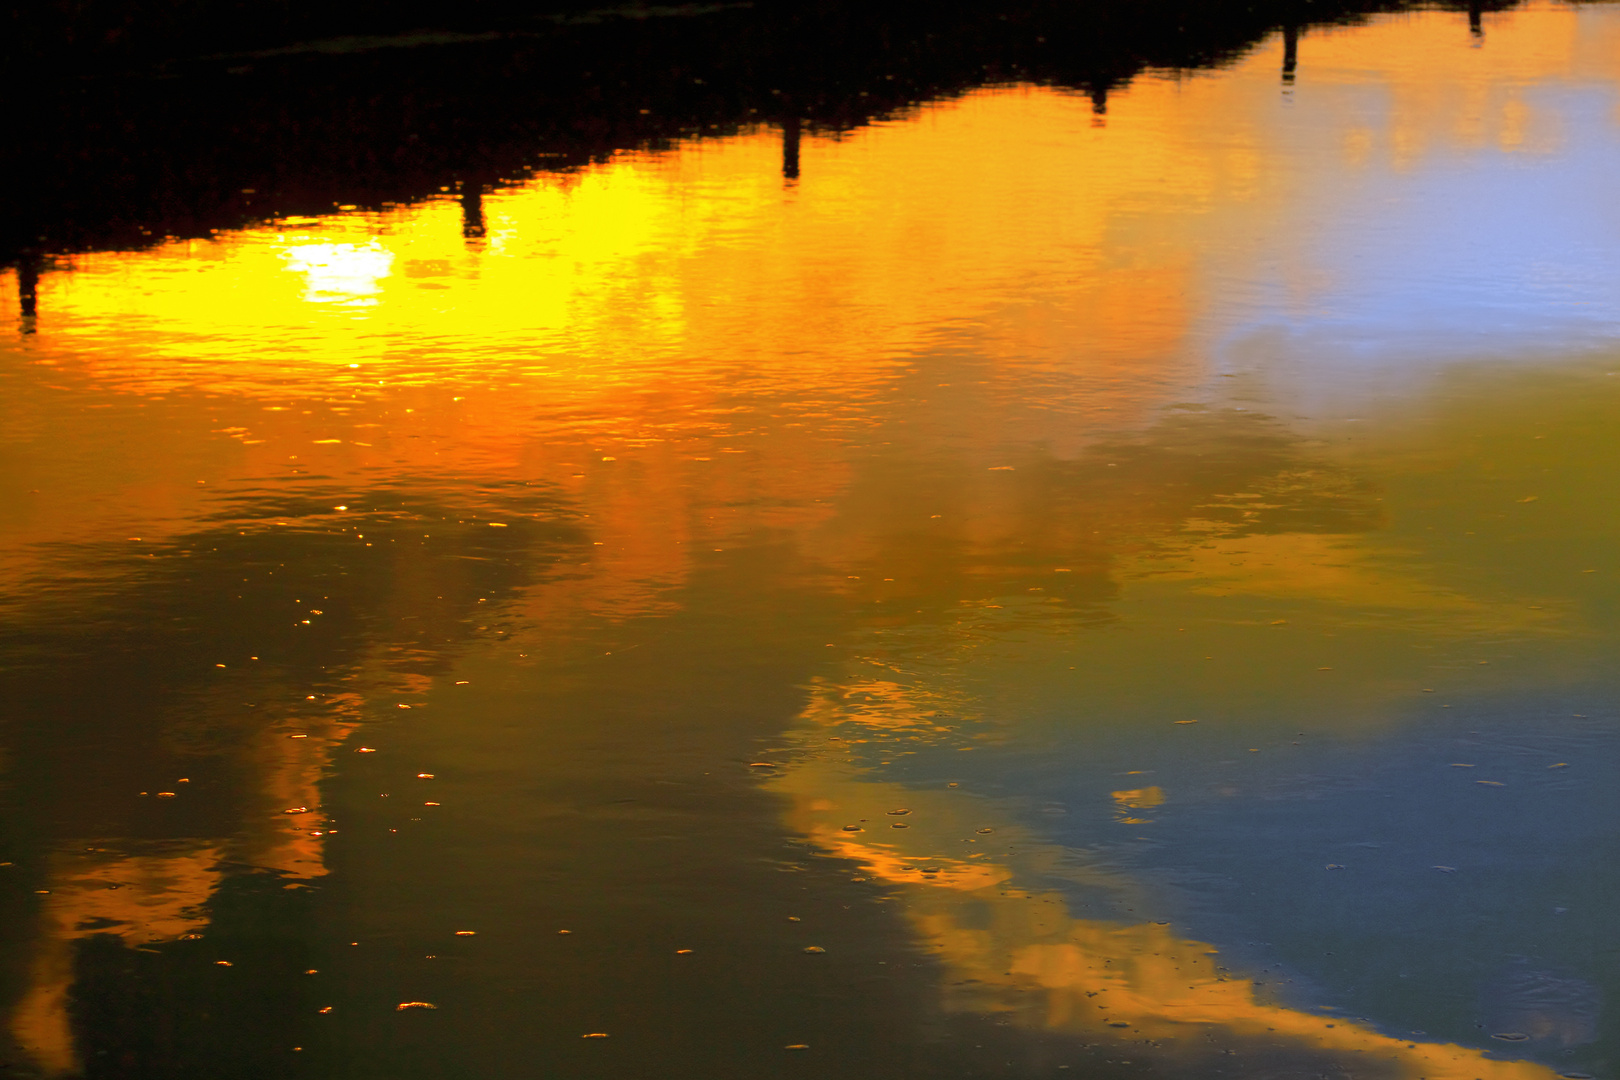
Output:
x=814 y=949
x=402 y=1006
x=1511 y=1036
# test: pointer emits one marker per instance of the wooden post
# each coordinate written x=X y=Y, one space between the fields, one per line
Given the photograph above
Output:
x=472 y=209
x=28 y=267
x=790 y=148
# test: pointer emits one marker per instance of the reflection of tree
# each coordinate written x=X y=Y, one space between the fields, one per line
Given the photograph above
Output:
x=1005 y=533
x=229 y=663
x=1012 y=554
x=302 y=133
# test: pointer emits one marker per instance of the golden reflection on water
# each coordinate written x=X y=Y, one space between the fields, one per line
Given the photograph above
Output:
x=919 y=363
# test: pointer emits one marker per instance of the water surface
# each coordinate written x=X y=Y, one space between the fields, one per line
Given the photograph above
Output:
x=1028 y=586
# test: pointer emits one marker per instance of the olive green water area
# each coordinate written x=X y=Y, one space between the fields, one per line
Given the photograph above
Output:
x=1039 y=592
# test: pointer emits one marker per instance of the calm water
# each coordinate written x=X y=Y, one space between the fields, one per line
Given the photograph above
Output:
x=1133 y=593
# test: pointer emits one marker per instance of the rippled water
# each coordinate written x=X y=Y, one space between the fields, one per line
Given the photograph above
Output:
x=1041 y=589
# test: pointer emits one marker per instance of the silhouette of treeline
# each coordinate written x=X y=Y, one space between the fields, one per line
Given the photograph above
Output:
x=131 y=122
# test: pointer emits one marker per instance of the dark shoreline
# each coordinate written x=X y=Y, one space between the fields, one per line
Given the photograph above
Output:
x=118 y=144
